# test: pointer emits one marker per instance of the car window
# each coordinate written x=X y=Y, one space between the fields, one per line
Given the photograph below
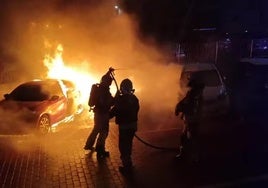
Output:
x=68 y=84
x=29 y=93
x=208 y=77
x=36 y=91
x=52 y=89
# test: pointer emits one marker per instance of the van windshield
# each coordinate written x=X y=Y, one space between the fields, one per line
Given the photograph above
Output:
x=209 y=77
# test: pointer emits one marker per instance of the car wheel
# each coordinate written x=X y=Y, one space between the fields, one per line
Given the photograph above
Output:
x=44 y=124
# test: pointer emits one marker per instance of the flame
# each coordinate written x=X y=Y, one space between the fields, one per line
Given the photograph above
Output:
x=81 y=78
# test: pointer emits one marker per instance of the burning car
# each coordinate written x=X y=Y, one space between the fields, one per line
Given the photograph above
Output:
x=39 y=105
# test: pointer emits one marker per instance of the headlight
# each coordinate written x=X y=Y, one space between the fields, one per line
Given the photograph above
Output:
x=223 y=93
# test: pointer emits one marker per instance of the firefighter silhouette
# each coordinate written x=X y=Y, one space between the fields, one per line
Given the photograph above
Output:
x=190 y=109
x=125 y=111
x=100 y=101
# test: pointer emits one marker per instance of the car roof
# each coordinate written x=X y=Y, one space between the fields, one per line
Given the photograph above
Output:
x=38 y=81
x=198 y=66
x=255 y=61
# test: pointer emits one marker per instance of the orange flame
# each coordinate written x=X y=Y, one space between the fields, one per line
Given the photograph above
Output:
x=81 y=78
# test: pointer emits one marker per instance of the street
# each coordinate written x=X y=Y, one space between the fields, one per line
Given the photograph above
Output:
x=232 y=154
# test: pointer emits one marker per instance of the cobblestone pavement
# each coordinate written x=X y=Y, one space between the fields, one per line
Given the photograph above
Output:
x=58 y=160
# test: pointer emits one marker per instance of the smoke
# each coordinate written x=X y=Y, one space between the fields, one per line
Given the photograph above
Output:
x=10 y=122
x=94 y=38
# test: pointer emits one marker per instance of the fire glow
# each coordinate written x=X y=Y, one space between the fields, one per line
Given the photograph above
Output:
x=81 y=78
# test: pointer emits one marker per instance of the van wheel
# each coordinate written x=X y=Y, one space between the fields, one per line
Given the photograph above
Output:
x=44 y=124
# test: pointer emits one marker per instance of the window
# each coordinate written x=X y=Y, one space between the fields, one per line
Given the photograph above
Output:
x=29 y=93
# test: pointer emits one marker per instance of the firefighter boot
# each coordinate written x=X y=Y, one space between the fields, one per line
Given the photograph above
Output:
x=101 y=153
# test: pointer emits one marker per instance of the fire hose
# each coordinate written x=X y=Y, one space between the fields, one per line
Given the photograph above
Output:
x=111 y=70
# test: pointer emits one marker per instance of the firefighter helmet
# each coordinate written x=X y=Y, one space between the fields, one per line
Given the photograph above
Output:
x=126 y=86
x=106 y=80
x=195 y=83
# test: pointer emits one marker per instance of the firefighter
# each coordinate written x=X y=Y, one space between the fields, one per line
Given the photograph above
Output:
x=100 y=100
x=190 y=108
x=125 y=111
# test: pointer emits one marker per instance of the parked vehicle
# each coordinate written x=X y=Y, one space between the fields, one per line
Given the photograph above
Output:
x=39 y=105
x=216 y=99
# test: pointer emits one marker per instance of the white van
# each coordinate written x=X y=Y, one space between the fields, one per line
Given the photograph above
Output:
x=216 y=99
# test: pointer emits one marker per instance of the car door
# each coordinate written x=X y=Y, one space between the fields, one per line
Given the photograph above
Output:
x=57 y=104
